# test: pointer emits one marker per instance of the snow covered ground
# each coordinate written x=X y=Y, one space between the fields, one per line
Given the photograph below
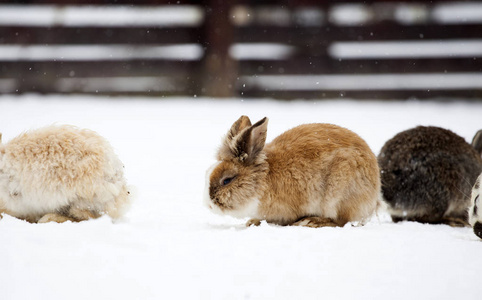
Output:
x=171 y=247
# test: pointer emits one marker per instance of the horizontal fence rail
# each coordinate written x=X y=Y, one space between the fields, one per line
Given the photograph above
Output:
x=282 y=49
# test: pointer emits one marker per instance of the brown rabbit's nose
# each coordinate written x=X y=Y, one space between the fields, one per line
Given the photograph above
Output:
x=478 y=229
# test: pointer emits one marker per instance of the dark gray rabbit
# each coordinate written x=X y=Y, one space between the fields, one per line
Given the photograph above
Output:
x=427 y=174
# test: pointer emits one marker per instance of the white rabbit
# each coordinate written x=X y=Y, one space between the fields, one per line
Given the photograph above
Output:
x=61 y=173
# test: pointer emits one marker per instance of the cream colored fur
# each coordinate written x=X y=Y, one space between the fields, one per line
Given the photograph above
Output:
x=61 y=173
x=312 y=175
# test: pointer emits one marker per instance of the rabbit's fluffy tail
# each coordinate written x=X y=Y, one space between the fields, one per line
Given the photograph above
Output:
x=122 y=204
x=381 y=207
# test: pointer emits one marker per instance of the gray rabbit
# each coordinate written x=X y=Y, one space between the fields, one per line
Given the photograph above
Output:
x=427 y=174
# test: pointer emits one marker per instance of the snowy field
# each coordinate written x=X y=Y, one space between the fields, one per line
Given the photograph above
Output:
x=170 y=247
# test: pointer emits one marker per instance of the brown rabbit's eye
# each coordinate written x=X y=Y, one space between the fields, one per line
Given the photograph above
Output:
x=227 y=180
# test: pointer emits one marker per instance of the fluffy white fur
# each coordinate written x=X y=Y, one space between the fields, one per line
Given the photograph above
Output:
x=250 y=210
x=206 y=199
x=61 y=173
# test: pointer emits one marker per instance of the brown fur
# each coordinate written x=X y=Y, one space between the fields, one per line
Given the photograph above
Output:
x=313 y=175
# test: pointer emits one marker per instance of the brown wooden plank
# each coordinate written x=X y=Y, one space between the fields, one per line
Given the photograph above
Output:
x=44 y=76
x=316 y=65
x=335 y=2
x=380 y=32
x=97 y=35
x=101 y=2
x=448 y=95
x=147 y=93
x=19 y=69
x=303 y=36
x=297 y=66
x=441 y=95
x=246 y=2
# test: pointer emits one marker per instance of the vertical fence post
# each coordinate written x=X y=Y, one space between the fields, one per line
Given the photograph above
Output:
x=218 y=69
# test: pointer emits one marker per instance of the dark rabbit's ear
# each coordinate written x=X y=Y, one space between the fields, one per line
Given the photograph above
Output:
x=242 y=123
x=0 y=137
x=252 y=141
x=226 y=151
x=477 y=141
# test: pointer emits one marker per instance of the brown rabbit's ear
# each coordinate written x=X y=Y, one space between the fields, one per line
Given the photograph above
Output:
x=227 y=149
x=0 y=137
x=244 y=141
x=238 y=126
x=477 y=141
x=251 y=142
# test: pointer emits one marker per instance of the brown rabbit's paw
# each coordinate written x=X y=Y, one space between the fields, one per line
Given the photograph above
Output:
x=54 y=218
x=79 y=214
x=253 y=222
x=456 y=222
x=316 y=222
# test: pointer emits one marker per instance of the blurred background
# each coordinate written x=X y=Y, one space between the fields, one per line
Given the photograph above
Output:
x=312 y=49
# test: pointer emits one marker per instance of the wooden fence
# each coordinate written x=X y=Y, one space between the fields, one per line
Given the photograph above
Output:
x=281 y=49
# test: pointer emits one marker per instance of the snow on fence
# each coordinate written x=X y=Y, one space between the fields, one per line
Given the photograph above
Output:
x=283 y=49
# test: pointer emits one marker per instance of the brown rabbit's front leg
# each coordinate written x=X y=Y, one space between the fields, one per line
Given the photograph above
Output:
x=253 y=222
x=316 y=222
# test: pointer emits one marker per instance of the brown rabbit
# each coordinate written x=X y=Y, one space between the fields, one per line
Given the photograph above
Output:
x=312 y=175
